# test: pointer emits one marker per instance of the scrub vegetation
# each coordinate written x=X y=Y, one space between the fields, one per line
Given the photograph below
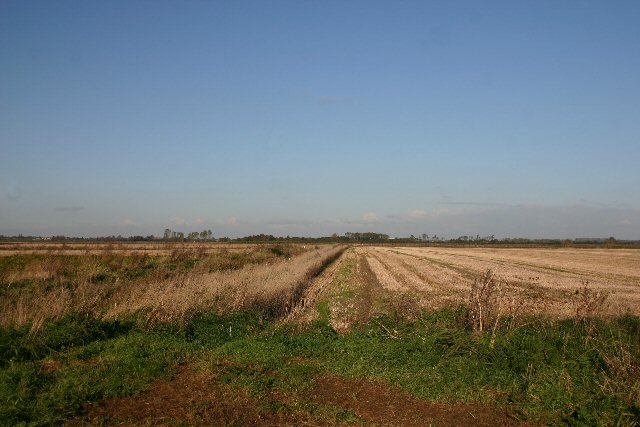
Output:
x=317 y=335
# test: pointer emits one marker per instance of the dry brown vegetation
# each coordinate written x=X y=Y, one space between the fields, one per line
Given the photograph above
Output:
x=271 y=288
x=170 y=287
x=532 y=281
x=168 y=282
x=125 y=248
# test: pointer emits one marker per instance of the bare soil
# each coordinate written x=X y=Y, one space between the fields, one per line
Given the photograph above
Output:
x=380 y=404
x=190 y=398
x=199 y=398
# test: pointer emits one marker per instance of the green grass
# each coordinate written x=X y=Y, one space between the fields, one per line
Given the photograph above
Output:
x=112 y=367
x=548 y=372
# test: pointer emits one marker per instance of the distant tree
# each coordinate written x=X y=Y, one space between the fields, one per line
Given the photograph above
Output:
x=567 y=243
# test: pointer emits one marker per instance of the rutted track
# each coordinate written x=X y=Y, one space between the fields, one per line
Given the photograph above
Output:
x=350 y=292
x=272 y=289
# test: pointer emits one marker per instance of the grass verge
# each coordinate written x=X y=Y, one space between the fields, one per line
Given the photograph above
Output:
x=563 y=372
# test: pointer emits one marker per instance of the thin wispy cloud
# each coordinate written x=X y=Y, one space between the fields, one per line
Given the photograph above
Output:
x=291 y=222
x=231 y=221
x=370 y=217
x=417 y=213
x=176 y=220
x=293 y=226
x=484 y=204
x=14 y=192
x=69 y=209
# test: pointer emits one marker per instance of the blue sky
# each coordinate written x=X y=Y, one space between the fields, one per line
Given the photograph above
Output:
x=308 y=118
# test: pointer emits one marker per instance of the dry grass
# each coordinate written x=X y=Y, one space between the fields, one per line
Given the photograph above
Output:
x=125 y=248
x=267 y=278
x=273 y=279
x=534 y=281
x=621 y=378
x=589 y=302
x=486 y=302
x=273 y=289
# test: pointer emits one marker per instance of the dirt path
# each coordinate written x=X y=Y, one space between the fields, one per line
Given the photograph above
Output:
x=306 y=310
x=380 y=404
x=348 y=292
x=199 y=398
x=190 y=398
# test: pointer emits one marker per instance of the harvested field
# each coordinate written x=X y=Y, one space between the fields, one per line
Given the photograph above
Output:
x=536 y=280
x=123 y=248
x=278 y=334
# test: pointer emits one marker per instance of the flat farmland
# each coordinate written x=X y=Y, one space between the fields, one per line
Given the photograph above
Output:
x=317 y=334
x=124 y=248
x=536 y=279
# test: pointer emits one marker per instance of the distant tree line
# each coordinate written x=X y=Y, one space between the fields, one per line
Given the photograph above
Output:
x=62 y=238
x=348 y=237
x=368 y=237
x=179 y=236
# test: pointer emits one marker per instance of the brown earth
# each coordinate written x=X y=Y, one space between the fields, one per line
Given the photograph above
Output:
x=190 y=398
x=199 y=398
x=380 y=404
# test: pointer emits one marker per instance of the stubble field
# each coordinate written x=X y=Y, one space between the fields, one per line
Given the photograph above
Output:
x=543 y=281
